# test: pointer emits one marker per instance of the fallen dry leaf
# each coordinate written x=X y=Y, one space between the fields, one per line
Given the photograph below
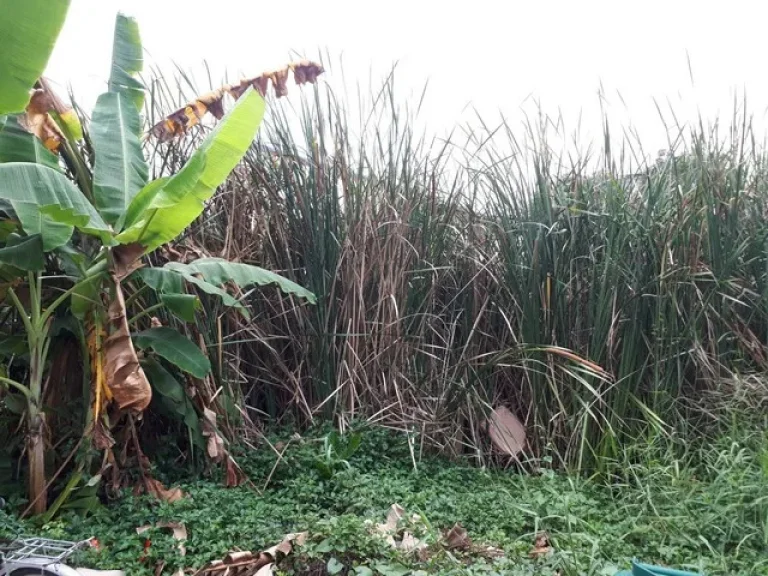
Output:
x=245 y=563
x=457 y=538
x=506 y=431
x=393 y=517
x=156 y=489
x=389 y=530
x=541 y=546
x=409 y=543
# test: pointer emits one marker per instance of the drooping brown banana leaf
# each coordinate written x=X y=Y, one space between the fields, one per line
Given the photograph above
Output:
x=124 y=375
x=178 y=122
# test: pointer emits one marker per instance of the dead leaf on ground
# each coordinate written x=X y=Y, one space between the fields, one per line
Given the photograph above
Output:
x=506 y=431
x=388 y=530
x=409 y=543
x=457 y=538
x=159 y=491
x=244 y=563
x=124 y=375
x=541 y=546
x=393 y=517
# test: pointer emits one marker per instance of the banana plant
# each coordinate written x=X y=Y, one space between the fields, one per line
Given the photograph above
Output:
x=101 y=223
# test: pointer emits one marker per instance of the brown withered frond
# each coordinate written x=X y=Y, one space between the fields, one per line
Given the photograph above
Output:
x=37 y=118
x=181 y=120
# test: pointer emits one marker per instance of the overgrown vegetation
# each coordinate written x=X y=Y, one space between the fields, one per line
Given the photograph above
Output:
x=602 y=298
x=617 y=306
x=710 y=518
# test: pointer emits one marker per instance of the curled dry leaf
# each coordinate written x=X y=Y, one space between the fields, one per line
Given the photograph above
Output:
x=37 y=118
x=394 y=515
x=126 y=259
x=280 y=82
x=409 y=543
x=306 y=71
x=124 y=375
x=39 y=122
x=541 y=546
x=457 y=538
x=388 y=530
x=239 y=563
x=159 y=491
x=188 y=116
x=216 y=450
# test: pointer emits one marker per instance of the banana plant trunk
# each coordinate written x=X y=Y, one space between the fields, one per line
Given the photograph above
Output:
x=36 y=420
x=36 y=460
x=37 y=326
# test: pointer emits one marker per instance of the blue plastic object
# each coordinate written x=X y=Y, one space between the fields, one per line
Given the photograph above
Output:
x=639 y=569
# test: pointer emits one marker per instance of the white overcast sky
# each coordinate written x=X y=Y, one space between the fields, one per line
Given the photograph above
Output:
x=495 y=57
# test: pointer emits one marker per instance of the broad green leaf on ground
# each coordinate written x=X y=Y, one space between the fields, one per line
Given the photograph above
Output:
x=120 y=170
x=168 y=281
x=25 y=253
x=127 y=61
x=160 y=217
x=40 y=195
x=176 y=349
x=18 y=145
x=28 y=31
x=183 y=306
x=220 y=272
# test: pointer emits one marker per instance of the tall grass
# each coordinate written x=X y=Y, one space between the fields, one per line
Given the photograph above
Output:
x=600 y=299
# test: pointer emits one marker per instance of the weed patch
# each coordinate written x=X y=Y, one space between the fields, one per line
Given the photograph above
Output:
x=712 y=519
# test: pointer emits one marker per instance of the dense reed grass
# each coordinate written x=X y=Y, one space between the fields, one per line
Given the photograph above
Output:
x=602 y=299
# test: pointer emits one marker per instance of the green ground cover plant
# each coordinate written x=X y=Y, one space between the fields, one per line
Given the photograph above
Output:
x=711 y=518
